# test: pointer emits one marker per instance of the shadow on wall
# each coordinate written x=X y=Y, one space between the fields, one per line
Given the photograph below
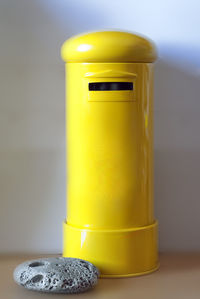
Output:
x=32 y=148
x=177 y=156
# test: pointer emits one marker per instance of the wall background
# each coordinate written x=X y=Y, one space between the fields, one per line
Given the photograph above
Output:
x=32 y=120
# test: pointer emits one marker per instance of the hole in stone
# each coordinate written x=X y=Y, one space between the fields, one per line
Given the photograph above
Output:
x=66 y=283
x=55 y=280
x=37 y=278
x=22 y=276
x=36 y=264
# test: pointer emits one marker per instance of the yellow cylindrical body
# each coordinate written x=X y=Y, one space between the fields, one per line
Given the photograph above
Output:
x=110 y=218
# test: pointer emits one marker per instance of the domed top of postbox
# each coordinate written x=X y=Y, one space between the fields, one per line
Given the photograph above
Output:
x=108 y=46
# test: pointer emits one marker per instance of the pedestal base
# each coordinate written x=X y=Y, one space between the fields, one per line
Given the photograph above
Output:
x=117 y=253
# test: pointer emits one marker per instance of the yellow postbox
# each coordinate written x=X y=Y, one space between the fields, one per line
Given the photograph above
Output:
x=109 y=112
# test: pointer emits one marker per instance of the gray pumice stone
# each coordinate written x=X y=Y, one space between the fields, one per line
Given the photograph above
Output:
x=57 y=275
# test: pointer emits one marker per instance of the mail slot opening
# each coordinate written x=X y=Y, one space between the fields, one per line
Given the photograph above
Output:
x=111 y=86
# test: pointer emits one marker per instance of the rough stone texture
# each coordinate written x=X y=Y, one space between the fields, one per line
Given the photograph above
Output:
x=57 y=275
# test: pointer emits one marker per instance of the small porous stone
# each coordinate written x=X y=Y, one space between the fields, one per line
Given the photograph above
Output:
x=57 y=275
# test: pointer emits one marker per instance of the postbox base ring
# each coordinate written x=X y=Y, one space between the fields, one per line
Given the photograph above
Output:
x=117 y=253
x=131 y=274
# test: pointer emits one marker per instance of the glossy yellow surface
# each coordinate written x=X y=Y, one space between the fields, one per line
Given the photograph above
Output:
x=117 y=253
x=110 y=219
x=108 y=46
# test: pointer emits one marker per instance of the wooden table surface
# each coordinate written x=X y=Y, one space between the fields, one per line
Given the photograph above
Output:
x=178 y=277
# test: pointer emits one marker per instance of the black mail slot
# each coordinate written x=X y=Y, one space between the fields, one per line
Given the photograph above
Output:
x=111 y=86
